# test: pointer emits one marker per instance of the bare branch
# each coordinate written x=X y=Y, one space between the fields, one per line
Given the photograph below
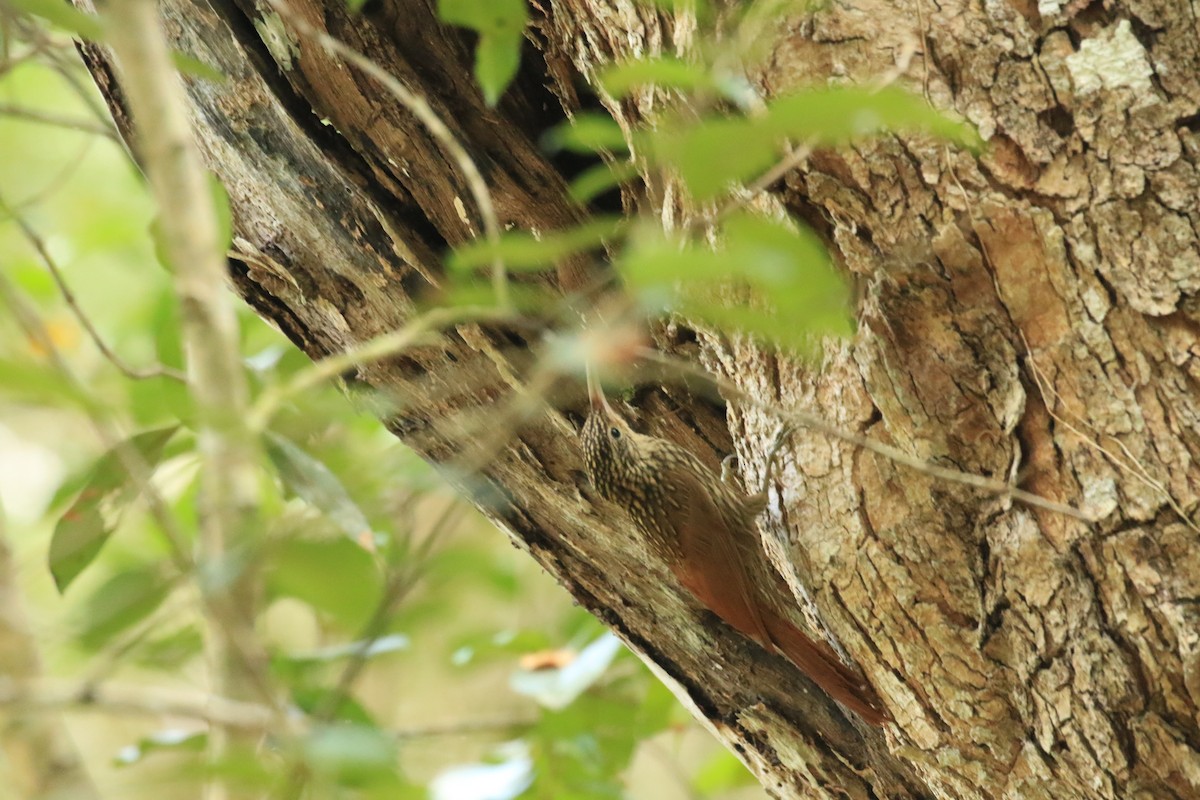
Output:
x=217 y=381
x=39 y=245
x=49 y=118
x=138 y=700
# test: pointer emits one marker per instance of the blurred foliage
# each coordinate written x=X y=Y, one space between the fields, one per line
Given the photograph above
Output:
x=426 y=658
x=364 y=554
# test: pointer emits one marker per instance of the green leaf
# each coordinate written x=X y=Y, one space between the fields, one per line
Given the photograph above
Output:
x=497 y=57
x=839 y=114
x=335 y=576
x=190 y=65
x=792 y=292
x=713 y=154
x=599 y=179
x=468 y=291
x=62 y=15
x=485 y=16
x=311 y=699
x=588 y=132
x=775 y=254
x=350 y=754
x=84 y=527
x=665 y=73
x=170 y=651
x=123 y=600
x=310 y=480
x=524 y=251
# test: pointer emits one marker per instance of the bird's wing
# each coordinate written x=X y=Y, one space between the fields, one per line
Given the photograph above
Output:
x=710 y=564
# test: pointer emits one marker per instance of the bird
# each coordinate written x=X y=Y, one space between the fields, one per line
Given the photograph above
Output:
x=699 y=524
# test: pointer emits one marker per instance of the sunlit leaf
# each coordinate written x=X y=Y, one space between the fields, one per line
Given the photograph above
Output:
x=581 y=750
x=86 y=525
x=835 y=115
x=62 y=15
x=497 y=57
x=587 y=132
x=483 y=647
x=485 y=16
x=171 y=650
x=507 y=777
x=351 y=754
x=713 y=154
x=779 y=276
x=525 y=251
x=309 y=479
x=313 y=699
x=167 y=739
x=558 y=688
x=27 y=380
x=190 y=65
x=465 y=291
x=334 y=576
x=665 y=72
x=701 y=8
x=599 y=179
x=121 y=601
x=468 y=563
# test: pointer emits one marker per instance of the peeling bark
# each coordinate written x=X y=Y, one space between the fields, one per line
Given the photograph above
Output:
x=1033 y=313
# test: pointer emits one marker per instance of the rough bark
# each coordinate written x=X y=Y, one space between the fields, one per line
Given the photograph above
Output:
x=1031 y=313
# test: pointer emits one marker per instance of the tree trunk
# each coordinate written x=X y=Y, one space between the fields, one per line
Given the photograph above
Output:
x=1033 y=314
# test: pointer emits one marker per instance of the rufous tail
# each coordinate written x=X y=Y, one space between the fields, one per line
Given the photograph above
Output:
x=818 y=661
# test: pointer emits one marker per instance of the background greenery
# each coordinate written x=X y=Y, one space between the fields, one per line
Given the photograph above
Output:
x=424 y=655
x=447 y=685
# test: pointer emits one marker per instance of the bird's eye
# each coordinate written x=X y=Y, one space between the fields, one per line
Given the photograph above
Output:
x=614 y=433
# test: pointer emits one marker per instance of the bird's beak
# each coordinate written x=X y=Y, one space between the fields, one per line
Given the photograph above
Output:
x=596 y=392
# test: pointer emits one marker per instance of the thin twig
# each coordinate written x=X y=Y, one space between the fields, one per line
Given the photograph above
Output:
x=813 y=422
x=59 y=180
x=399 y=584
x=372 y=350
x=1138 y=470
x=131 y=460
x=228 y=508
x=790 y=160
x=501 y=427
x=58 y=121
x=466 y=728
x=64 y=289
x=420 y=108
x=139 y=700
